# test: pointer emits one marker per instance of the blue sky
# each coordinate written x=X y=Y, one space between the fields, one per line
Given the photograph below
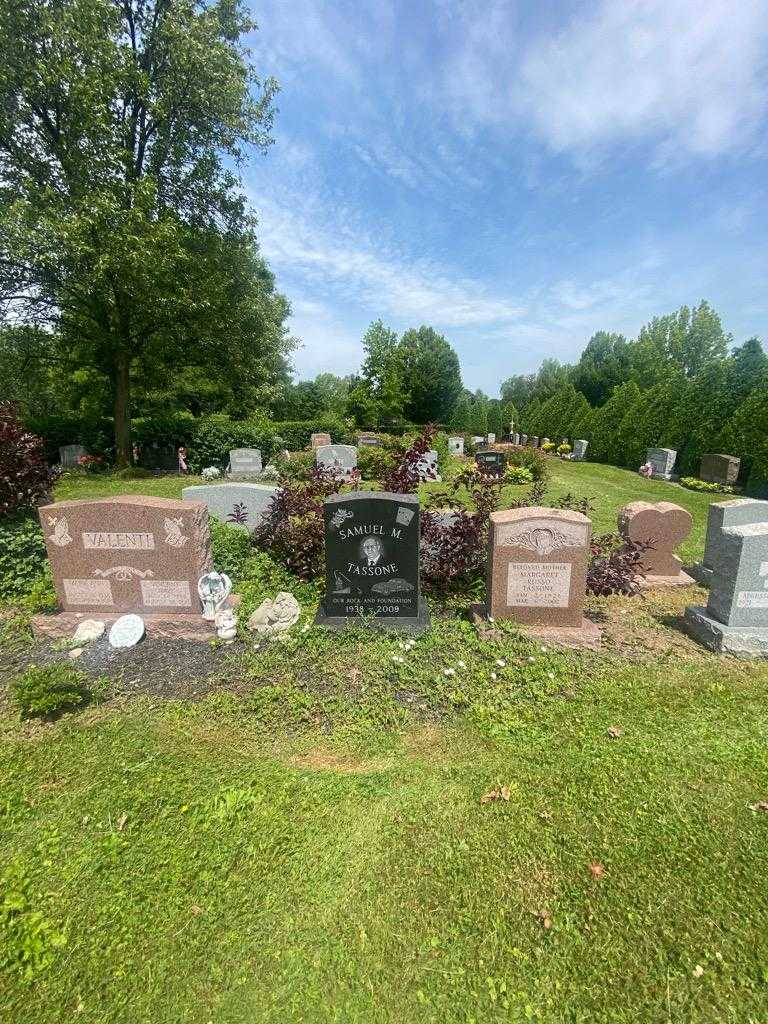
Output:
x=516 y=174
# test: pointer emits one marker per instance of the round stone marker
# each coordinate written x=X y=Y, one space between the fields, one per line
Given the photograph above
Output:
x=126 y=631
x=89 y=629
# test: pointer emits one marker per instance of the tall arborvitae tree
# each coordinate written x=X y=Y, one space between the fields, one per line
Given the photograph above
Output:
x=120 y=124
x=431 y=375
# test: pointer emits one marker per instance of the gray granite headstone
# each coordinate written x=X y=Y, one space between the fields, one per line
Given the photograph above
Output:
x=70 y=455
x=478 y=439
x=735 y=620
x=370 y=440
x=245 y=462
x=580 y=449
x=491 y=439
x=724 y=515
x=515 y=439
x=237 y=504
x=340 y=458
x=534 y=442
x=524 y=439
x=663 y=461
x=544 y=440
x=719 y=469
x=456 y=445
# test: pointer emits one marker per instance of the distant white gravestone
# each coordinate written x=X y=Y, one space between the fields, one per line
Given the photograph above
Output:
x=244 y=462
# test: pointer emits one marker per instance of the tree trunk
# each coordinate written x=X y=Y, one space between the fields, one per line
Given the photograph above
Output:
x=122 y=381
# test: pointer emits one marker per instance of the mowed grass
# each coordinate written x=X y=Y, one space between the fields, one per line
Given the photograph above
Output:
x=312 y=846
x=205 y=865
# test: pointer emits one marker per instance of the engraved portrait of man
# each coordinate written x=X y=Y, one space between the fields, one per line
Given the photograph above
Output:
x=371 y=551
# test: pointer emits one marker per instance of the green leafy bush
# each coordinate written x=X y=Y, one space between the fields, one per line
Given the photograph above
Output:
x=564 y=449
x=531 y=459
x=518 y=475
x=214 y=436
x=48 y=690
x=132 y=473
x=230 y=548
x=548 y=447
x=694 y=484
x=376 y=462
x=23 y=557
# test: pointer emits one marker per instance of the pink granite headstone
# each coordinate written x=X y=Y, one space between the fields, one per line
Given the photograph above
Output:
x=128 y=554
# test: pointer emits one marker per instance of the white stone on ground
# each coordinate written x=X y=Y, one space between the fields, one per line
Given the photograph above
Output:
x=87 y=630
x=126 y=631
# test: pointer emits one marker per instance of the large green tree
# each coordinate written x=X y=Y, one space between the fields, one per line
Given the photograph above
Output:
x=431 y=375
x=121 y=220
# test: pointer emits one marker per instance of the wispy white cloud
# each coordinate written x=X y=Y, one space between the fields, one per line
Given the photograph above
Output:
x=688 y=77
x=339 y=259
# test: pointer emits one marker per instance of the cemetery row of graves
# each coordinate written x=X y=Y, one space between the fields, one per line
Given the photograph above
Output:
x=143 y=564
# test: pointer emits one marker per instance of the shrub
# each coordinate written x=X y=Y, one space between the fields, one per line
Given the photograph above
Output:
x=92 y=463
x=564 y=449
x=615 y=566
x=49 y=690
x=230 y=548
x=405 y=478
x=458 y=549
x=694 y=484
x=300 y=466
x=575 y=504
x=518 y=475
x=214 y=436
x=531 y=459
x=549 y=447
x=23 y=556
x=25 y=477
x=376 y=462
x=293 y=527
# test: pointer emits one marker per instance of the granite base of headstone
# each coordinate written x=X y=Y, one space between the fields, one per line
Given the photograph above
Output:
x=236 y=504
x=724 y=515
x=372 y=563
x=132 y=554
x=660 y=528
x=735 y=620
x=662 y=461
x=537 y=566
x=719 y=469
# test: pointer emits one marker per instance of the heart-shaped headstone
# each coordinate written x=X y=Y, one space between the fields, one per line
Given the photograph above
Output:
x=664 y=526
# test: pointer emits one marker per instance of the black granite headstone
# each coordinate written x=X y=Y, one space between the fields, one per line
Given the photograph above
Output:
x=372 y=562
x=491 y=463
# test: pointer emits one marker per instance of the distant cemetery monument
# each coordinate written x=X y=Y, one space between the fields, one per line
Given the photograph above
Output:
x=719 y=469
x=662 y=461
x=244 y=462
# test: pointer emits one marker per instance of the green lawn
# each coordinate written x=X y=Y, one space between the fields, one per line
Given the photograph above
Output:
x=309 y=845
